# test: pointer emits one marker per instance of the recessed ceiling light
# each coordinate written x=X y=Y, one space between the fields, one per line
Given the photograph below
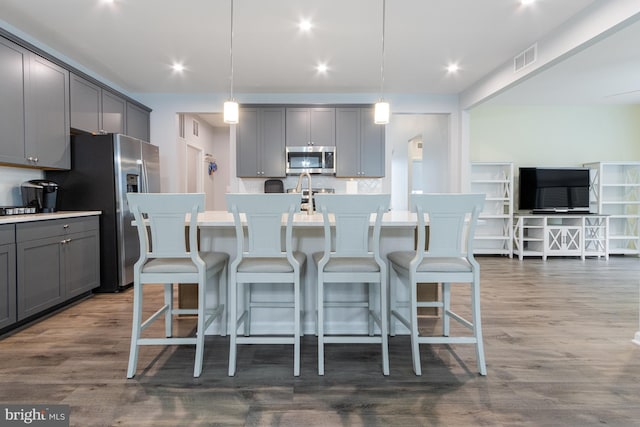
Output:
x=527 y=2
x=452 y=68
x=177 y=67
x=322 y=68
x=304 y=25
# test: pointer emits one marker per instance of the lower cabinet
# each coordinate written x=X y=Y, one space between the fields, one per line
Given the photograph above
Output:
x=7 y=275
x=56 y=260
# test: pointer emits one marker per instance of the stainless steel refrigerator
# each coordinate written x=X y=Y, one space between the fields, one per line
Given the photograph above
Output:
x=104 y=168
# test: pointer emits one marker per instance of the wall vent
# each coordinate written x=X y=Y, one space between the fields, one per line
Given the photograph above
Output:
x=525 y=58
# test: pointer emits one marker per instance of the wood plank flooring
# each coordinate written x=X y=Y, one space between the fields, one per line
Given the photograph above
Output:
x=558 y=349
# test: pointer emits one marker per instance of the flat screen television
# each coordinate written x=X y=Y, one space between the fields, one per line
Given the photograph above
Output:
x=554 y=190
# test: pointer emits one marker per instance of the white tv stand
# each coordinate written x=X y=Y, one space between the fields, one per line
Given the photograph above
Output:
x=560 y=234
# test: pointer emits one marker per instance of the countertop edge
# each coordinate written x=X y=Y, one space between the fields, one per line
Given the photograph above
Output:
x=14 y=219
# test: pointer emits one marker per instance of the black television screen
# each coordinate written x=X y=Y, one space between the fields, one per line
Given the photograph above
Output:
x=554 y=189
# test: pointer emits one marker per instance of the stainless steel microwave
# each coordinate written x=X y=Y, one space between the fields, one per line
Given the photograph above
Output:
x=312 y=159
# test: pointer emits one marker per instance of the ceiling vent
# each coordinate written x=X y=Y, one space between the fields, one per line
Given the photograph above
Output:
x=526 y=58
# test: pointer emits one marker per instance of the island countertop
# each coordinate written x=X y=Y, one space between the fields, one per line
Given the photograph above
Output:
x=392 y=218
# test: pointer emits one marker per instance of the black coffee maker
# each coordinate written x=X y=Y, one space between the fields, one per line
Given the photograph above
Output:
x=41 y=194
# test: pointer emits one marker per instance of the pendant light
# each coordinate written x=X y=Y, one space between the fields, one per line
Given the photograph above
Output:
x=231 y=114
x=381 y=113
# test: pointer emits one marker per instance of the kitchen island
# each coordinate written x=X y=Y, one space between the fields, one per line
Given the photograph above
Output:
x=217 y=233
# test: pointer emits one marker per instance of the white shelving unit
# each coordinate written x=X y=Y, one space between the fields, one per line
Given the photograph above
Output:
x=561 y=235
x=494 y=233
x=615 y=191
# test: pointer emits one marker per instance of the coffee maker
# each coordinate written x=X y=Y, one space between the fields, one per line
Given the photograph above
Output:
x=41 y=194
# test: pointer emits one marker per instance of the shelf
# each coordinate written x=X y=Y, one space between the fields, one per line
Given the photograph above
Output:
x=490 y=237
x=490 y=181
x=494 y=232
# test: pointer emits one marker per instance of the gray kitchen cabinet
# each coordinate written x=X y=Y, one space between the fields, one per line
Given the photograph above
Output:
x=86 y=104
x=311 y=126
x=260 y=143
x=114 y=113
x=138 y=122
x=34 y=109
x=360 y=144
x=47 y=136
x=95 y=109
x=12 y=120
x=7 y=275
x=56 y=260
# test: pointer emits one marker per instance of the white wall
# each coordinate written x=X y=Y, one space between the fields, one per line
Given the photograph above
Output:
x=435 y=131
x=10 y=180
x=555 y=136
x=212 y=141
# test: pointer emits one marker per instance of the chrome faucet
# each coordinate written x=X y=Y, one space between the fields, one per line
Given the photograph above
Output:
x=299 y=189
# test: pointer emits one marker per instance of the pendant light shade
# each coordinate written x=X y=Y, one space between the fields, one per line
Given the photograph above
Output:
x=231 y=113
x=382 y=109
x=381 y=113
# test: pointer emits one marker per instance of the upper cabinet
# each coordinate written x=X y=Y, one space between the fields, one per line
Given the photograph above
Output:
x=41 y=100
x=34 y=109
x=137 y=122
x=47 y=113
x=359 y=144
x=311 y=126
x=95 y=109
x=12 y=119
x=260 y=143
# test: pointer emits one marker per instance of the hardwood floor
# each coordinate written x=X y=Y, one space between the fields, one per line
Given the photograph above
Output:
x=557 y=339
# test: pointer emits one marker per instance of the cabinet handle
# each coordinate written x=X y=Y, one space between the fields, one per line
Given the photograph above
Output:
x=65 y=226
x=32 y=159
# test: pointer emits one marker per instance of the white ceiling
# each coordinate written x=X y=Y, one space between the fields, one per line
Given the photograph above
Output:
x=133 y=43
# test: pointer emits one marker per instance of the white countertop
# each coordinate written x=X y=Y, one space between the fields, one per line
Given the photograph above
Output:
x=13 y=219
x=225 y=219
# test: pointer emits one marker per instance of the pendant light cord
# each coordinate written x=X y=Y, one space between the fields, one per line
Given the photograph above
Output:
x=382 y=59
x=231 y=54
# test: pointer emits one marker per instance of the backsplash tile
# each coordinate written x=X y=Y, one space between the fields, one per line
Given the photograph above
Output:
x=10 y=181
x=371 y=185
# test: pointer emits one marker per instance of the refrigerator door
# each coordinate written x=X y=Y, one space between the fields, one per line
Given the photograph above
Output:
x=150 y=168
x=128 y=171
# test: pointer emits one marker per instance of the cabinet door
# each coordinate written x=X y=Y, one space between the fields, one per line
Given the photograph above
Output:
x=247 y=140
x=39 y=275
x=114 y=110
x=7 y=275
x=272 y=153
x=81 y=257
x=347 y=142
x=85 y=99
x=12 y=119
x=371 y=145
x=298 y=126
x=311 y=126
x=322 y=126
x=564 y=240
x=47 y=114
x=137 y=122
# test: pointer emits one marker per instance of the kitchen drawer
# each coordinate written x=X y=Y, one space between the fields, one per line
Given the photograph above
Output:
x=56 y=227
x=7 y=234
